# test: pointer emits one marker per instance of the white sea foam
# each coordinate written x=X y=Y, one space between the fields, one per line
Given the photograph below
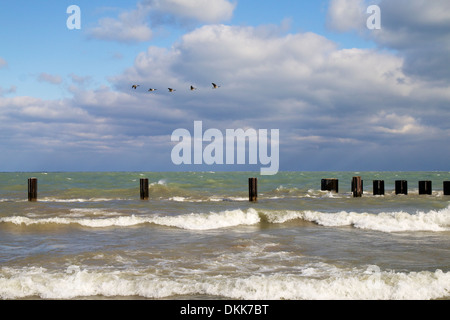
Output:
x=50 y=199
x=218 y=199
x=433 y=221
x=178 y=199
x=208 y=221
x=193 y=221
x=162 y=182
x=369 y=284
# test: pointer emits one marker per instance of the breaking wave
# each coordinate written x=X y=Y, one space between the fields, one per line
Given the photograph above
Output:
x=434 y=221
x=370 y=283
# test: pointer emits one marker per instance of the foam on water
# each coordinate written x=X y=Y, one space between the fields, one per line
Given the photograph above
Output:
x=193 y=221
x=364 y=284
x=91 y=236
x=50 y=199
x=434 y=221
x=212 y=220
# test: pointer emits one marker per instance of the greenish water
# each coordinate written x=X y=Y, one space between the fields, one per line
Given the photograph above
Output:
x=198 y=237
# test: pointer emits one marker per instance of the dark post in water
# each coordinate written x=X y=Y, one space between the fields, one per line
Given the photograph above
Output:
x=357 y=187
x=401 y=187
x=330 y=185
x=252 y=189
x=424 y=187
x=32 y=189
x=447 y=188
x=144 y=189
x=378 y=187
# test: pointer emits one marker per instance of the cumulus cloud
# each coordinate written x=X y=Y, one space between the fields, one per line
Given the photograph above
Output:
x=130 y=27
x=346 y=15
x=136 y=25
x=325 y=100
x=320 y=96
x=418 y=30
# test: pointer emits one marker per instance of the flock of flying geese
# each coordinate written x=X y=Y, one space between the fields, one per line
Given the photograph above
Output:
x=135 y=86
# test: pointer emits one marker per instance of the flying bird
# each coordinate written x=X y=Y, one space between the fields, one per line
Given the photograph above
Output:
x=152 y=89
x=134 y=86
x=193 y=88
x=171 y=90
x=215 y=86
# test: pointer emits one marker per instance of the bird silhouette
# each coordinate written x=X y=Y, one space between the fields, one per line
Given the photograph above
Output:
x=215 y=86
x=134 y=86
x=152 y=89
x=193 y=88
x=171 y=90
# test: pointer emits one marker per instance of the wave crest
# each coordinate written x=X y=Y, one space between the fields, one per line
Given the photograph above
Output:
x=432 y=221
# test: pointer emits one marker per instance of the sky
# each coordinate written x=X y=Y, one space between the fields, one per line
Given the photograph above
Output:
x=343 y=96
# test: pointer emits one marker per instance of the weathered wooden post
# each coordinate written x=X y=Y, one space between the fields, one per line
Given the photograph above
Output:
x=378 y=187
x=447 y=188
x=401 y=187
x=357 y=187
x=252 y=189
x=32 y=189
x=144 y=189
x=330 y=185
x=425 y=187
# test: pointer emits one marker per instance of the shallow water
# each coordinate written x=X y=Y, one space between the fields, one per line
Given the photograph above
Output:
x=89 y=236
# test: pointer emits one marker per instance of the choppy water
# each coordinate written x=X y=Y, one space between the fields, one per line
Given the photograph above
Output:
x=198 y=237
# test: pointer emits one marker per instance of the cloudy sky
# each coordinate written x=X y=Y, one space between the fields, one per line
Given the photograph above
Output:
x=343 y=96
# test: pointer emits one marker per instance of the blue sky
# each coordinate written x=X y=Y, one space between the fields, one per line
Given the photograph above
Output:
x=343 y=97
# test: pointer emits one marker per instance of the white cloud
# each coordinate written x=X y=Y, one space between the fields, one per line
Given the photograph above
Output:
x=324 y=100
x=131 y=26
x=136 y=25
x=396 y=124
x=22 y=108
x=419 y=30
x=346 y=15
x=275 y=80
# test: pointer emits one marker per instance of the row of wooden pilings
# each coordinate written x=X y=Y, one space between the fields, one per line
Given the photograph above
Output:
x=401 y=187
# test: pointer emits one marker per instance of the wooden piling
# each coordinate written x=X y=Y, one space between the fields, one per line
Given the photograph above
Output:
x=144 y=189
x=32 y=189
x=378 y=187
x=330 y=185
x=401 y=187
x=425 y=187
x=252 y=189
x=357 y=187
x=446 y=188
